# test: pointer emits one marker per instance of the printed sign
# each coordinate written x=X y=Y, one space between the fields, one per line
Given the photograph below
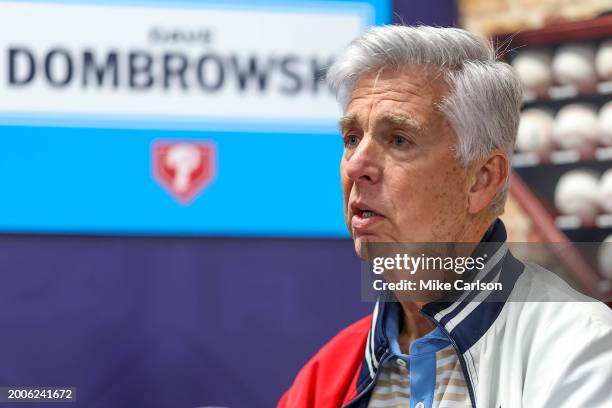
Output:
x=202 y=63
x=191 y=117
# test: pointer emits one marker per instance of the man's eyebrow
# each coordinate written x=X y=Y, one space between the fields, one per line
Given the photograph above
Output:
x=401 y=121
x=396 y=120
x=348 y=122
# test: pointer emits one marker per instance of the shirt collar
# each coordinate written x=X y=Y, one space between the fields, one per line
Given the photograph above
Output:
x=431 y=342
x=463 y=320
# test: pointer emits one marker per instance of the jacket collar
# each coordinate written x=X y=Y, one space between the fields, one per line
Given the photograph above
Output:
x=465 y=319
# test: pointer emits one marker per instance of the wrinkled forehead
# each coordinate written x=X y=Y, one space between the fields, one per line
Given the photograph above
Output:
x=406 y=78
x=407 y=97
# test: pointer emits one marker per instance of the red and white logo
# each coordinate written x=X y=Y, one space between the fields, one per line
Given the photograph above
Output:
x=184 y=168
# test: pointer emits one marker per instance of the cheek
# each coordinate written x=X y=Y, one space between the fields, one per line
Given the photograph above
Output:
x=429 y=195
x=346 y=185
x=345 y=181
x=414 y=198
x=448 y=195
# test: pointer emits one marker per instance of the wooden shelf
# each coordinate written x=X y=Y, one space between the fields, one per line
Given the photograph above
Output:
x=529 y=159
x=561 y=32
x=567 y=92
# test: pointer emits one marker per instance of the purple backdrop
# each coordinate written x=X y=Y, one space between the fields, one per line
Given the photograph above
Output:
x=441 y=13
x=134 y=322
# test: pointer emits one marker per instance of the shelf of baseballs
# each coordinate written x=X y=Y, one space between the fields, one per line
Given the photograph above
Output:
x=564 y=141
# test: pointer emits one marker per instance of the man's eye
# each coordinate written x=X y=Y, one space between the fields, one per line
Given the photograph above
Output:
x=400 y=141
x=351 y=140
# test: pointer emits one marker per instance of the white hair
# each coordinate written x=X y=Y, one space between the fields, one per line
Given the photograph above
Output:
x=483 y=104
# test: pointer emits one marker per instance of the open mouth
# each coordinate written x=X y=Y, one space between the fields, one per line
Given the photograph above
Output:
x=366 y=213
x=364 y=216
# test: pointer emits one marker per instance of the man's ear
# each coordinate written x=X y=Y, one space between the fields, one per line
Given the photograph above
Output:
x=489 y=178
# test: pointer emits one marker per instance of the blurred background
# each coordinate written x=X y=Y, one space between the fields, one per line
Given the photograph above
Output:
x=171 y=224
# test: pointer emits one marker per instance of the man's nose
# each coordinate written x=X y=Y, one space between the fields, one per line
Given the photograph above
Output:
x=365 y=162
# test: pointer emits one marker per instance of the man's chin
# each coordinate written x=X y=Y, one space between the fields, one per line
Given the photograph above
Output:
x=363 y=245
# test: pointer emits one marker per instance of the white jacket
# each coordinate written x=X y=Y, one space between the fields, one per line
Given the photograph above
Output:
x=554 y=351
x=540 y=344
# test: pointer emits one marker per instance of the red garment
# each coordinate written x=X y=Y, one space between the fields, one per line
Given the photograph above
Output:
x=329 y=379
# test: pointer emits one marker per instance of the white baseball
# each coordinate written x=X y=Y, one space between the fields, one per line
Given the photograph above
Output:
x=576 y=125
x=535 y=131
x=575 y=64
x=577 y=193
x=534 y=69
x=603 y=60
x=605 y=191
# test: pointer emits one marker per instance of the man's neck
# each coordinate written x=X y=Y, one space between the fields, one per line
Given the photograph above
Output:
x=415 y=325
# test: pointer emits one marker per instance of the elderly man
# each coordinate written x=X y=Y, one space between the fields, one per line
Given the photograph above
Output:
x=430 y=118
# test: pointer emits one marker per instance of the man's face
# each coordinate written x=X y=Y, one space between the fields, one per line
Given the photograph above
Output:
x=400 y=176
